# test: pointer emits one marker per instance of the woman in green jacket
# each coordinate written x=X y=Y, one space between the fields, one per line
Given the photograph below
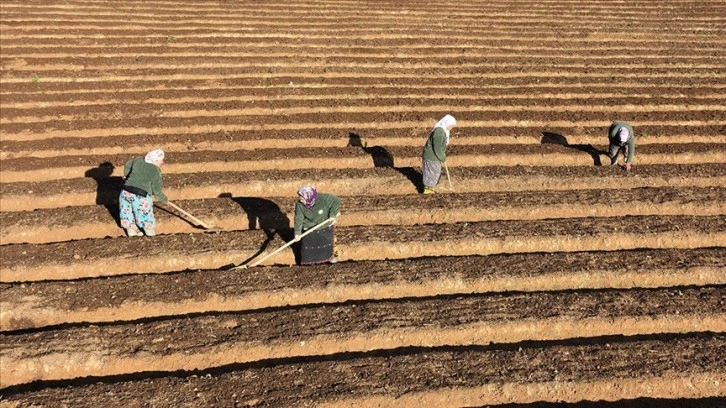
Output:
x=311 y=210
x=142 y=177
x=622 y=139
x=434 y=152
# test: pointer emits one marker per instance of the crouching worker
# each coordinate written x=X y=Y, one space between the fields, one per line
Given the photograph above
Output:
x=622 y=139
x=312 y=209
x=434 y=152
x=142 y=177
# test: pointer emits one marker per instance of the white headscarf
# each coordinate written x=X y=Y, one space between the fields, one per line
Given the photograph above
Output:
x=623 y=135
x=445 y=123
x=155 y=157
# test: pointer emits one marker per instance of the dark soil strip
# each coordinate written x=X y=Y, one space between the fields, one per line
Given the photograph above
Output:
x=276 y=213
x=379 y=156
x=423 y=116
x=313 y=380
x=116 y=291
x=107 y=188
x=22 y=257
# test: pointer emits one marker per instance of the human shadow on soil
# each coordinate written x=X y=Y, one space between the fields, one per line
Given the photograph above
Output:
x=267 y=216
x=558 y=139
x=108 y=188
x=383 y=158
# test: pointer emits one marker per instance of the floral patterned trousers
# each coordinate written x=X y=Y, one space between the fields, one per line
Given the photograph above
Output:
x=137 y=212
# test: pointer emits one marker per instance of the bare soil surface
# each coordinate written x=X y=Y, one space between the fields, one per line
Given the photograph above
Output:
x=140 y=296
x=168 y=253
x=417 y=373
x=540 y=277
x=264 y=335
x=275 y=214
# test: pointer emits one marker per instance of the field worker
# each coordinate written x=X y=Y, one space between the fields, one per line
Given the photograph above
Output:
x=311 y=209
x=142 y=177
x=434 y=152
x=622 y=139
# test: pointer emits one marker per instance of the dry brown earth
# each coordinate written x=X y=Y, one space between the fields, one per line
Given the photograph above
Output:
x=543 y=278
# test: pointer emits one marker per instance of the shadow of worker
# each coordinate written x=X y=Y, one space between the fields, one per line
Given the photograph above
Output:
x=558 y=139
x=265 y=215
x=383 y=158
x=108 y=188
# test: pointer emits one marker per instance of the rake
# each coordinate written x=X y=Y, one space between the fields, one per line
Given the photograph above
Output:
x=194 y=219
x=330 y=220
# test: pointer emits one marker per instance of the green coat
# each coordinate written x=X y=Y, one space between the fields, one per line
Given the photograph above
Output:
x=614 y=141
x=435 y=148
x=326 y=206
x=140 y=174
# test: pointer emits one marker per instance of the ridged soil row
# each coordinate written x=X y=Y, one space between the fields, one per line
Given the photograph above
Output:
x=275 y=214
x=344 y=27
x=162 y=66
x=169 y=253
x=378 y=181
x=550 y=154
x=382 y=27
x=417 y=13
x=141 y=297
x=654 y=369
x=39 y=102
x=571 y=135
x=291 y=106
x=41 y=61
x=401 y=117
x=204 y=342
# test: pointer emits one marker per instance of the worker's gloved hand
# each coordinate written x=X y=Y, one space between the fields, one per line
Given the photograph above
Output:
x=628 y=166
x=297 y=238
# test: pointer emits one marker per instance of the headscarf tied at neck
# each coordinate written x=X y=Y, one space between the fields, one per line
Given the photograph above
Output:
x=623 y=135
x=445 y=123
x=155 y=157
x=309 y=194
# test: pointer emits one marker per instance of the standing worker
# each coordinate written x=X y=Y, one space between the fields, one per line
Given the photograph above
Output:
x=142 y=182
x=311 y=209
x=622 y=138
x=434 y=152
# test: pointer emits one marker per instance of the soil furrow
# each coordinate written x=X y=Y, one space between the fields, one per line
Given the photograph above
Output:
x=453 y=75
x=40 y=53
x=343 y=64
x=306 y=108
x=547 y=154
x=310 y=19
x=39 y=102
x=332 y=126
x=206 y=342
x=572 y=134
x=384 y=181
x=275 y=213
x=135 y=297
x=168 y=253
x=628 y=42
x=297 y=84
x=606 y=368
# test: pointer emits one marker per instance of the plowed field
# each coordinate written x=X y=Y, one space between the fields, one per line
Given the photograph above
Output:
x=540 y=276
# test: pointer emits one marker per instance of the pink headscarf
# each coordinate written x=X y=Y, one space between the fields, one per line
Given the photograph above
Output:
x=446 y=123
x=309 y=194
x=155 y=157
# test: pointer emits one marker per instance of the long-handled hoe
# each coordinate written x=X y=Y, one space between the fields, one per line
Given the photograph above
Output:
x=194 y=219
x=448 y=177
x=329 y=221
